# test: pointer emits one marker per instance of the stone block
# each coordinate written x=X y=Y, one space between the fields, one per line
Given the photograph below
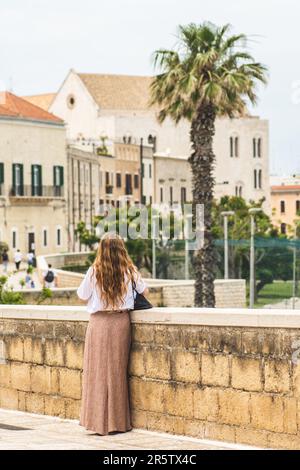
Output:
x=5 y=376
x=215 y=370
x=246 y=374
x=35 y=403
x=34 y=350
x=206 y=406
x=54 y=353
x=157 y=363
x=41 y=379
x=9 y=398
x=277 y=376
x=74 y=354
x=234 y=407
x=70 y=383
x=20 y=376
x=14 y=348
x=185 y=366
x=55 y=406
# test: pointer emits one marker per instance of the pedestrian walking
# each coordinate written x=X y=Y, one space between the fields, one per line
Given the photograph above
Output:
x=30 y=258
x=50 y=278
x=108 y=290
x=5 y=260
x=17 y=259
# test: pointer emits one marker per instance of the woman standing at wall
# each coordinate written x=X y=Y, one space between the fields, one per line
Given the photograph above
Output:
x=108 y=289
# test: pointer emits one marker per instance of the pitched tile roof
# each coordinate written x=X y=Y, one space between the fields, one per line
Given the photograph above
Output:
x=14 y=106
x=118 y=92
x=44 y=101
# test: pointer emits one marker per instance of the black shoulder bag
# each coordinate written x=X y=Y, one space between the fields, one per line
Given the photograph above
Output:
x=140 y=301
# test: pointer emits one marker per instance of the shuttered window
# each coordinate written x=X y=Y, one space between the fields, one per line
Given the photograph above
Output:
x=18 y=179
x=36 y=180
x=58 y=176
x=1 y=173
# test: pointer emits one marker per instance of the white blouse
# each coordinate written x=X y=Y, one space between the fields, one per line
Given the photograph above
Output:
x=88 y=291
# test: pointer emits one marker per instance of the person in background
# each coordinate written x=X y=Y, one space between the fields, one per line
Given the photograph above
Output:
x=30 y=258
x=50 y=278
x=17 y=259
x=28 y=279
x=5 y=260
x=108 y=290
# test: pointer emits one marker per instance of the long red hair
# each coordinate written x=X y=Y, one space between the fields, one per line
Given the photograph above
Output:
x=114 y=270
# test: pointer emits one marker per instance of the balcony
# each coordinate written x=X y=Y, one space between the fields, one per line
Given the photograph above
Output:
x=35 y=193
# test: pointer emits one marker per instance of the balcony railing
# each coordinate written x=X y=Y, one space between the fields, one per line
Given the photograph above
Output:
x=37 y=191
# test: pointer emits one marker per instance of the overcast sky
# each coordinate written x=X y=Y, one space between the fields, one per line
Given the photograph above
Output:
x=40 y=40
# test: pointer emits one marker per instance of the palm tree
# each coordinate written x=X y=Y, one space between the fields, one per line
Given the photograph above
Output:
x=209 y=74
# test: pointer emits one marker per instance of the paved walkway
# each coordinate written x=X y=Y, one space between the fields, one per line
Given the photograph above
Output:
x=26 y=431
x=14 y=277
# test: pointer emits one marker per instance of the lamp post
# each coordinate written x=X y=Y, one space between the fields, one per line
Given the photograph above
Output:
x=187 y=253
x=154 y=231
x=226 y=214
x=253 y=211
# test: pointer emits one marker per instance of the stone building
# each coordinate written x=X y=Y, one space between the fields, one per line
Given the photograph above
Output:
x=99 y=181
x=285 y=202
x=117 y=107
x=33 y=184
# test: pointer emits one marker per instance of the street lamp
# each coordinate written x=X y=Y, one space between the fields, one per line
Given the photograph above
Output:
x=187 y=222
x=253 y=211
x=154 y=231
x=226 y=214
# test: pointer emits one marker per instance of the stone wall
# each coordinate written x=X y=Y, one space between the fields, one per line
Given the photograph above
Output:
x=229 y=293
x=197 y=372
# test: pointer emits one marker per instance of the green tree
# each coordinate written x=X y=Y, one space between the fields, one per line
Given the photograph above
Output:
x=210 y=74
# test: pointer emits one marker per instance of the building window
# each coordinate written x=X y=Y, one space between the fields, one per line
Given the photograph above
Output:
x=128 y=184
x=18 y=184
x=14 y=239
x=71 y=101
x=118 y=180
x=136 y=181
x=282 y=207
x=58 y=236
x=259 y=147
x=260 y=179
x=254 y=147
x=234 y=146
x=183 y=195
x=231 y=146
x=161 y=194
x=107 y=177
x=238 y=191
x=150 y=171
x=36 y=180
x=297 y=206
x=45 y=237
x=283 y=229
x=171 y=194
x=255 y=179
x=1 y=177
x=143 y=170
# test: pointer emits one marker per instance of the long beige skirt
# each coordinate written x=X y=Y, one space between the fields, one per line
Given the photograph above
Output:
x=105 y=397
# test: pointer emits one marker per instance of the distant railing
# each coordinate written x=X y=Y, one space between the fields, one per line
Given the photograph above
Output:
x=37 y=191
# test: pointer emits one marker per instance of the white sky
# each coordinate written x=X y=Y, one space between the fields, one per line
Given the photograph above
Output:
x=40 y=40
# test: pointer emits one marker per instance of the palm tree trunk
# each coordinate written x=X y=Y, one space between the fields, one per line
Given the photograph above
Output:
x=202 y=161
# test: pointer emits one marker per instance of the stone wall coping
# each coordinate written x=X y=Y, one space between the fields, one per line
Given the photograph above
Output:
x=262 y=318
